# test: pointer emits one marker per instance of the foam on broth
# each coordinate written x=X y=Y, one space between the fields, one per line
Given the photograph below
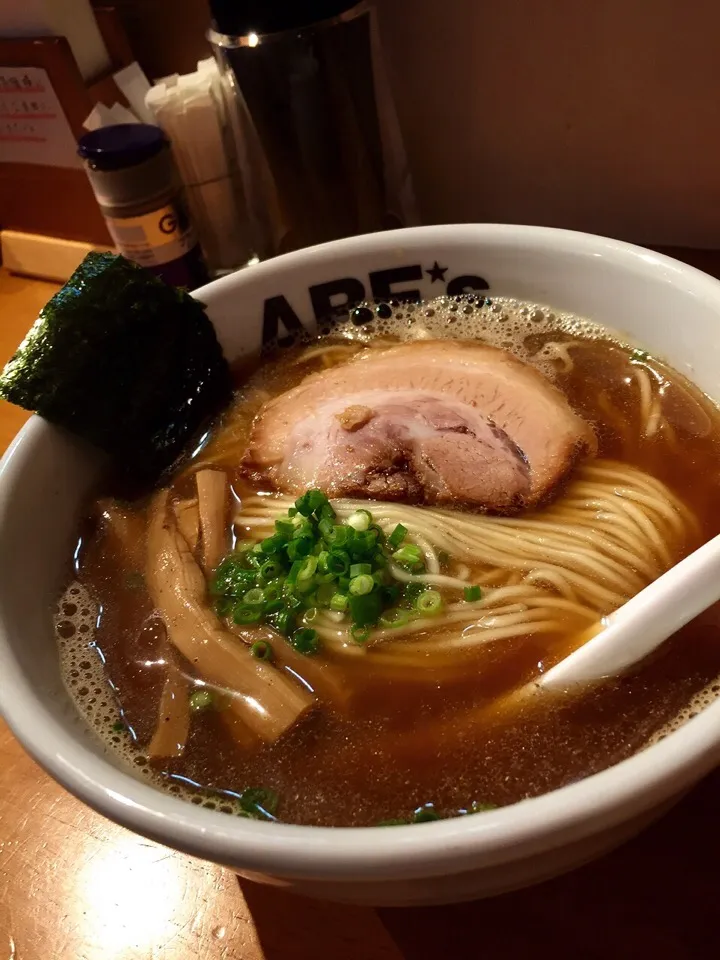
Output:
x=406 y=745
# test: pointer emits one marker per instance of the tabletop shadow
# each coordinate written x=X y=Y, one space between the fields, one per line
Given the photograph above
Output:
x=656 y=897
x=291 y=927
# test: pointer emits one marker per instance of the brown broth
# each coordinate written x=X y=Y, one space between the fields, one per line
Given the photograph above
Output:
x=401 y=739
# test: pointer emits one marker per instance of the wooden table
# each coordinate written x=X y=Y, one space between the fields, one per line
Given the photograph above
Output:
x=75 y=887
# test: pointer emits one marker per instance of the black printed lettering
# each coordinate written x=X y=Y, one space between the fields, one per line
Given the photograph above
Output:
x=468 y=284
x=382 y=282
x=278 y=311
x=324 y=297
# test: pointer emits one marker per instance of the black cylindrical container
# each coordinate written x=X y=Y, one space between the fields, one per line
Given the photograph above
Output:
x=316 y=131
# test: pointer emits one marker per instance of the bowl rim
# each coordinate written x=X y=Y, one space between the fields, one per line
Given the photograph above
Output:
x=510 y=833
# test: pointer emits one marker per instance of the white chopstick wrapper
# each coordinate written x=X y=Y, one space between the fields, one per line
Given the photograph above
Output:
x=134 y=84
x=189 y=109
x=102 y=116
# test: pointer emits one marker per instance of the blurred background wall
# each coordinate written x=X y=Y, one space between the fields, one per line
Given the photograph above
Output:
x=600 y=115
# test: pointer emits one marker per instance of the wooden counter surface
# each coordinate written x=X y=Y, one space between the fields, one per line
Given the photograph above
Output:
x=75 y=887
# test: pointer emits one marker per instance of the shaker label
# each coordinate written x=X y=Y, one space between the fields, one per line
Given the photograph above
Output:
x=156 y=238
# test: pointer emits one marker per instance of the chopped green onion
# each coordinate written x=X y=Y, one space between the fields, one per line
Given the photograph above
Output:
x=365 y=609
x=408 y=556
x=232 y=577
x=341 y=535
x=392 y=619
x=273 y=544
x=411 y=591
x=338 y=562
x=302 y=505
x=312 y=562
x=271 y=570
x=201 y=700
x=291 y=601
x=306 y=641
x=425 y=814
x=224 y=605
x=273 y=591
x=378 y=531
x=360 y=520
x=297 y=549
x=317 y=499
x=310 y=502
x=363 y=542
x=307 y=569
x=244 y=613
x=283 y=621
x=261 y=650
x=361 y=585
x=360 y=634
x=325 y=593
x=285 y=528
x=254 y=597
x=477 y=807
x=390 y=594
x=261 y=800
x=303 y=526
x=339 y=602
x=326 y=528
x=397 y=536
x=472 y=593
x=429 y=603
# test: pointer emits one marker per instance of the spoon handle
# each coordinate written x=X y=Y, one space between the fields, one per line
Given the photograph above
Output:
x=644 y=622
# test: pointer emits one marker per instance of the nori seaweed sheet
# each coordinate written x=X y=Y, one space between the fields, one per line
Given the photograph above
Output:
x=124 y=361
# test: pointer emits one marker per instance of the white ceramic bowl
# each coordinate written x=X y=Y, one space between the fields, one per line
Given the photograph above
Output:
x=672 y=309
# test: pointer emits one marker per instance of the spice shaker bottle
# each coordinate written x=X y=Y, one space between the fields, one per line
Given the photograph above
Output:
x=138 y=189
x=316 y=133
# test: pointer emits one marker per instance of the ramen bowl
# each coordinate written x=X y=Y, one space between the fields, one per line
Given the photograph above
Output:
x=668 y=308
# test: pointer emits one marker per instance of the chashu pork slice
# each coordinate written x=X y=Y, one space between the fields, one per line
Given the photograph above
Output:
x=437 y=422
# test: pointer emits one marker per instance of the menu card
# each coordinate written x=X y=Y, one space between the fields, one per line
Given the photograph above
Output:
x=33 y=126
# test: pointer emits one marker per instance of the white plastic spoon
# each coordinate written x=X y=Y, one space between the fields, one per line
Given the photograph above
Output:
x=644 y=622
